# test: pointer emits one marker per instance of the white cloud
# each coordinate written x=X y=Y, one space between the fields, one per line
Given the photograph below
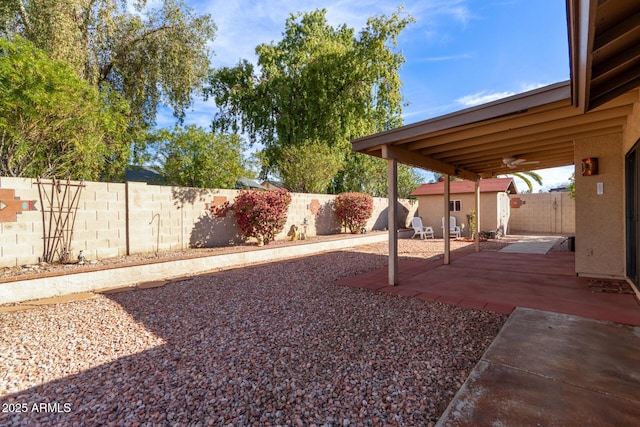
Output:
x=482 y=98
x=444 y=58
x=525 y=87
x=486 y=96
x=244 y=24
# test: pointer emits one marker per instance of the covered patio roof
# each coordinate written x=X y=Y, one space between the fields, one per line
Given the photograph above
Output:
x=539 y=126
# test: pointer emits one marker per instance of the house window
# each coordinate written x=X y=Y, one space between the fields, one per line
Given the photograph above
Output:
x=454 y=205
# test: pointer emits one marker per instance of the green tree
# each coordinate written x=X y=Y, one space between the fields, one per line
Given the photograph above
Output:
x=319 y=83
x=308 y=168
x=152 y=57
x=572 y=185
x=368 y=174
x=193 y=157
x=53 y=123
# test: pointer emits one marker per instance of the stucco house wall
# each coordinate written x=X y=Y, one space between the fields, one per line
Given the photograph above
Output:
x=600 y=218
x=431 y=210
x=631 y=133
x=600 y=228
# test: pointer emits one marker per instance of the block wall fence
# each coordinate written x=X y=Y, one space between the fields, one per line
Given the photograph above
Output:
x=553 y=213
x=116 y=219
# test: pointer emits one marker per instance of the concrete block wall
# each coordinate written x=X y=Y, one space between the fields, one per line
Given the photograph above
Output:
x=116 y=219
x=542 y=213
x=20 y=230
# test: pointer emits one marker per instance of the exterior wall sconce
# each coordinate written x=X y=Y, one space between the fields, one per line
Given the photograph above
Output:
x=590 y=166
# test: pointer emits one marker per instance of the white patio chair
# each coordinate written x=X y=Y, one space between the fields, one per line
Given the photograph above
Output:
x=454 y=230
x=421 y=230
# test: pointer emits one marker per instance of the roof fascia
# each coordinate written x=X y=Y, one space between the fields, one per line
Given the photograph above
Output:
x=581 y=18
x=424 y=162
x=500 y=108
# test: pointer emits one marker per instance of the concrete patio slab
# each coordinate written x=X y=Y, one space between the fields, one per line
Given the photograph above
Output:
x=553 y=369
x=532 y=245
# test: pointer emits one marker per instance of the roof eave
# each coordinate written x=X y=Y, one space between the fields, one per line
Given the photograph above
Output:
x=579 y=19
x=500 y=108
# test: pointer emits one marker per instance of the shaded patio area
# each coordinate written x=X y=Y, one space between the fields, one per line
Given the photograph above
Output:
x=502 y=281
x=562 y=359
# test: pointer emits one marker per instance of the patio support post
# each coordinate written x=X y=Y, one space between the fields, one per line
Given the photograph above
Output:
x=477 y=200
x=445 y=230
x=392 y=182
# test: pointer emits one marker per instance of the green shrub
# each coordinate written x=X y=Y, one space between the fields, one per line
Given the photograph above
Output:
x=354 y=210
x=261 y=213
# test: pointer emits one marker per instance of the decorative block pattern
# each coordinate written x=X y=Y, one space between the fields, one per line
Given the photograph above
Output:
x=11 y=206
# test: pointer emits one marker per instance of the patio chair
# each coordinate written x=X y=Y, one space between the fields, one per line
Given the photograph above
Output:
x=421 y=230
x=454 y=230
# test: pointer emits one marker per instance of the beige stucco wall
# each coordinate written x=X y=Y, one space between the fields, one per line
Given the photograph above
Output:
x=431 y=210
x=114 y=219
x=552 y=213
x=631 y=133
x=600 y=235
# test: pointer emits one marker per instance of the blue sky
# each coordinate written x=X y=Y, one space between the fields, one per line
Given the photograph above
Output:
x=459 y=53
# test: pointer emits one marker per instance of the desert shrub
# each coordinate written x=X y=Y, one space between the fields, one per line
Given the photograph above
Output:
x=354 y=210
x=261 y=212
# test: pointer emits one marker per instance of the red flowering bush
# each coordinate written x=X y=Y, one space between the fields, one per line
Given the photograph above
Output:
x=354 y=210
x=261 y=212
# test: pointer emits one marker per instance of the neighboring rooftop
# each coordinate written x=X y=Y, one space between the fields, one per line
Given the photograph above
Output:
x=244 y=183
x=148 y=174
x=491 y=185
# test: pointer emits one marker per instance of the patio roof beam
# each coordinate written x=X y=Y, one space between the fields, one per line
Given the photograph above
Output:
x=604 y=118
x=551 y=154
x=521 y=150
x=564 y=111
x=506 y=151
x=492 y=170
x=608 y=90
x=506 y=140
x=406 y=157
x=520 y=146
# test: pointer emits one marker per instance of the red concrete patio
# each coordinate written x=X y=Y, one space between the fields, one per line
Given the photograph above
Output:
x=502 y=281
x=551 y=364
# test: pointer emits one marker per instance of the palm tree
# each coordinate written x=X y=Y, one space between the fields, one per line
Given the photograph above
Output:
x=526 y=177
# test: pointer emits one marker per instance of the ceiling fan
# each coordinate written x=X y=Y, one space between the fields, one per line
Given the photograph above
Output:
x=514 y=162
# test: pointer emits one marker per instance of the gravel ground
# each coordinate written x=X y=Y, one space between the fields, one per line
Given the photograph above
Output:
x=277 y=345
